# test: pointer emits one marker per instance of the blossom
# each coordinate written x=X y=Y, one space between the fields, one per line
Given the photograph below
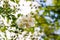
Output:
x=26 y=21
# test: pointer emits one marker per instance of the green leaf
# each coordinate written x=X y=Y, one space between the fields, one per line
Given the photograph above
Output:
x=3 y=29
x=28 y=0
x=48 y=32
x=19 y=15
x=30 y=5
x=37 y=11
x=16 y=1
x=1 y=10
x=31 y=29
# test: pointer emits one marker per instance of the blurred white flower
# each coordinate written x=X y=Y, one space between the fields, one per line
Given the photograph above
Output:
x=2 y=35
x=26 y=21
x=37 y=29
x=8 y=34
x=1 y=21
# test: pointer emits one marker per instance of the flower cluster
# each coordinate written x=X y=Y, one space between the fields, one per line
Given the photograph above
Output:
x=26 y=21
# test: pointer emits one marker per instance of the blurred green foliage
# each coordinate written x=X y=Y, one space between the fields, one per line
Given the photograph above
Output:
x=40 y=20
x=16 y=1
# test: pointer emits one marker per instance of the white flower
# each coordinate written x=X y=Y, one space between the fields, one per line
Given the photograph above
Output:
x=26 y=21
x=1 y=22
